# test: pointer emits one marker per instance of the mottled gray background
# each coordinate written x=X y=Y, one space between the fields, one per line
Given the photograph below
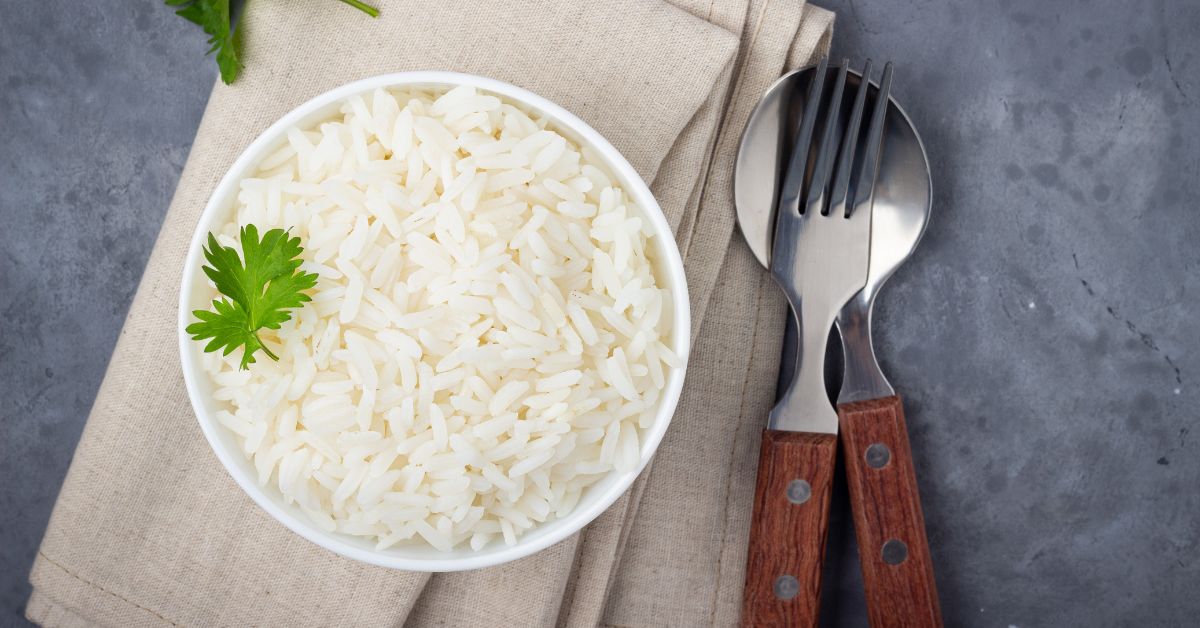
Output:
x=1044 y=334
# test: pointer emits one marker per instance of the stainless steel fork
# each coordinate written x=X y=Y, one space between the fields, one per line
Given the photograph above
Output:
x=819 y=258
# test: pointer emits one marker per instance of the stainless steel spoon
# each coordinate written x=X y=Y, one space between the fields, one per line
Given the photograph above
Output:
x=894 y=552
x=902 y=197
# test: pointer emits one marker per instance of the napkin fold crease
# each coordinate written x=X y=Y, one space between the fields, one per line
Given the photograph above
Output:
x=149 y=530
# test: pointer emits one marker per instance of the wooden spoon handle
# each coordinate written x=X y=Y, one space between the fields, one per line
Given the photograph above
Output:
x=896 y=565
x=787 y=532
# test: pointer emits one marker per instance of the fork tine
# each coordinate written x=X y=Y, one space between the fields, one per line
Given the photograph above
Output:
x=794 y=180
x=820 y=177
x=864 y=190
x=841 y=180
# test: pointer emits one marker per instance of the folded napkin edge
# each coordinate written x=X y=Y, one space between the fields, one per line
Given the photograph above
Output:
x=46 y=609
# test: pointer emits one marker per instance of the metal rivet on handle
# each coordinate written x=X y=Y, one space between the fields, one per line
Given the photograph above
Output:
x=894 y=552
x=877 y=456
x=798 y=491
x=786 y=587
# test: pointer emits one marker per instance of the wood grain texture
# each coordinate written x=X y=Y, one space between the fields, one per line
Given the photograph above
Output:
x=788 y=538
x=900 y=587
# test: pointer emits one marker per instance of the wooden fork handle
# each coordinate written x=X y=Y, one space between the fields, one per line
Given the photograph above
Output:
x=787 y=531
x=893 y=550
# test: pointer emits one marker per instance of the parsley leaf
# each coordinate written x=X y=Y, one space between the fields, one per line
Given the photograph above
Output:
x=256 y=294
x=223 y=35
x=213 y=17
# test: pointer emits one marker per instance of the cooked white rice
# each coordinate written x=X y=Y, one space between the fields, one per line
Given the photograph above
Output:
x=487 y=337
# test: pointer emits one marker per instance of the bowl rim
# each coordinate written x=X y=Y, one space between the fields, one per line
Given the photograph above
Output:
x=633 y=185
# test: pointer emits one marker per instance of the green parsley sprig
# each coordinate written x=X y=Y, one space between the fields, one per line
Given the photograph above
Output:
x=256 y=293
x=223 y=34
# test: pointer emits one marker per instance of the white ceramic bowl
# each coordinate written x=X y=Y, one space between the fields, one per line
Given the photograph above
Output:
x=193 y=295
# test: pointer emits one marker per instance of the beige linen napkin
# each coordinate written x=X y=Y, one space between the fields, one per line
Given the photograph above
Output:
x=150 y=530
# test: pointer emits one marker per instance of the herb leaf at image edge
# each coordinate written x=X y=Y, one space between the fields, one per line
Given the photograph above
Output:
x=256 y=293
x=214 y=17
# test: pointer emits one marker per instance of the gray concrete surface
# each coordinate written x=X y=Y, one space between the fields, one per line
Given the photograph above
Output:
x=1045 y=334
x=98 y=105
